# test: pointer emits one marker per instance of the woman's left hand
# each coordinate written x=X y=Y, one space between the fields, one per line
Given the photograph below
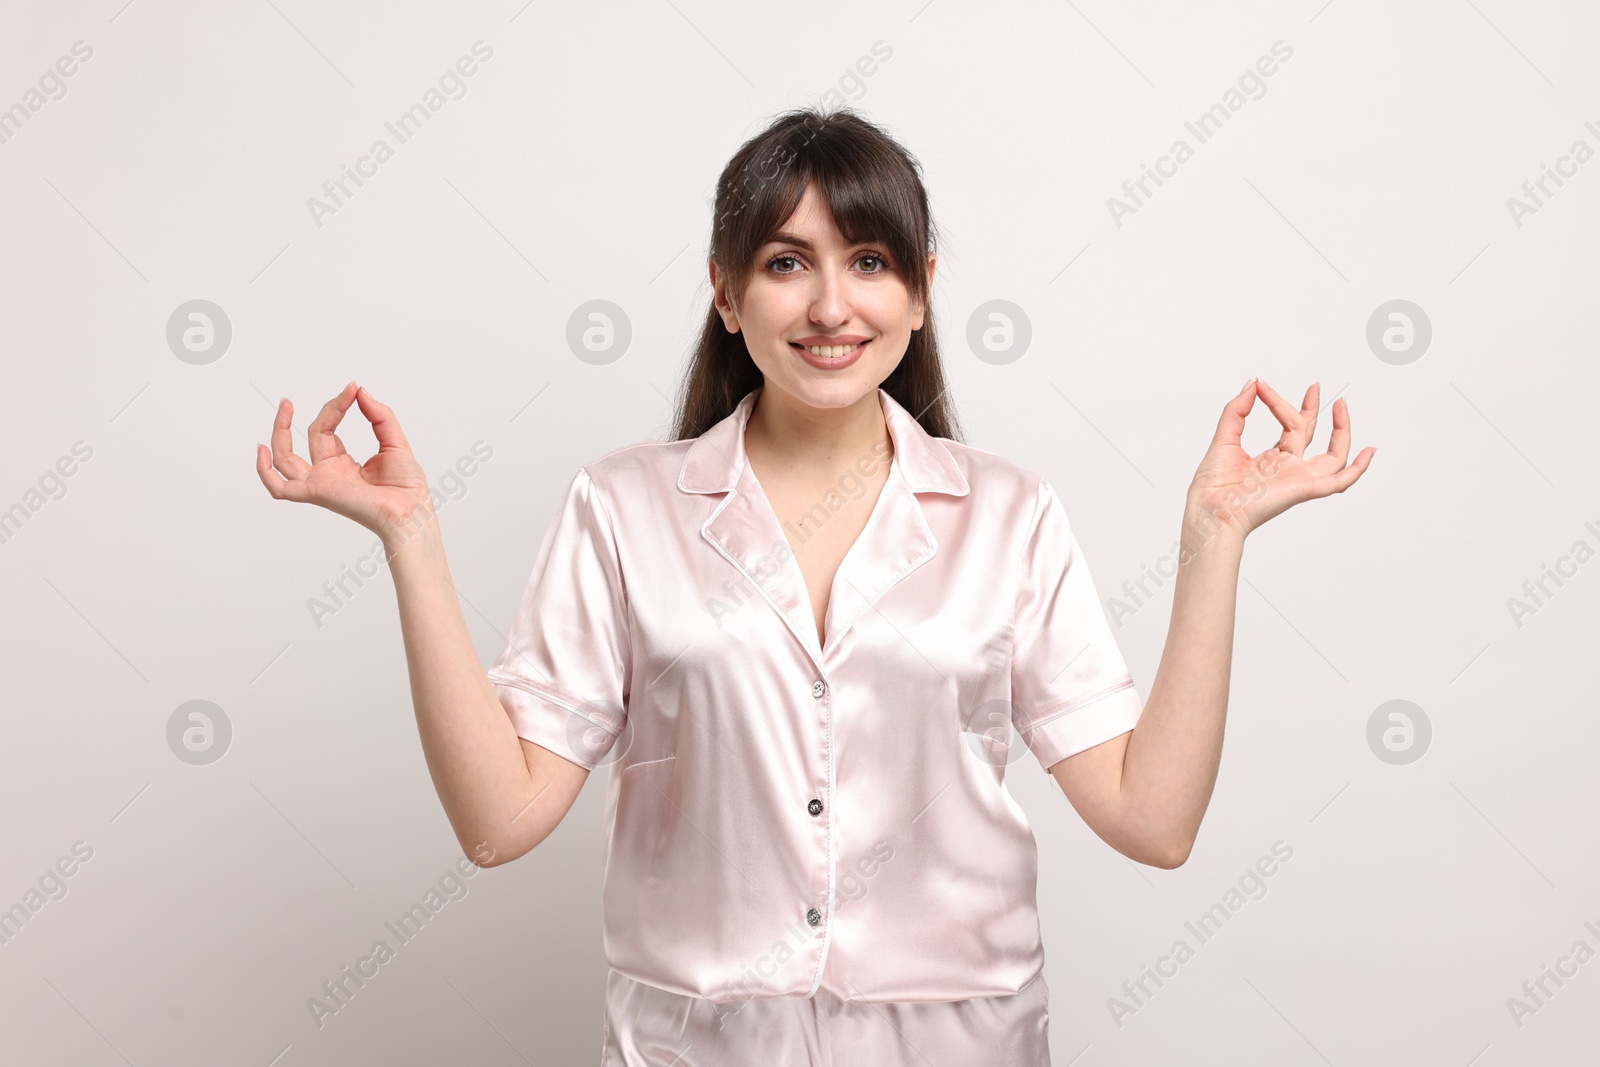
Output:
x=1242 y=493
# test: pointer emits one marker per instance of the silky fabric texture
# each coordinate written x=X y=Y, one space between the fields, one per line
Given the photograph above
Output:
x=783 y=815
x=648 y=1027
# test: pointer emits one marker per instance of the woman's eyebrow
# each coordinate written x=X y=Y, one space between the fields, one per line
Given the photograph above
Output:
x=789 y=239
x=795 y=239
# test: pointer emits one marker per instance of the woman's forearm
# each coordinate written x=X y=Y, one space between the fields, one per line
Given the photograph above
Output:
x=1170 y=766
x=1170 y=760
x=472 y=750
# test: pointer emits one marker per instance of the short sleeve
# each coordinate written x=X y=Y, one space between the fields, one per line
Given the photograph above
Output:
x=563 y=673
x=1070 y=687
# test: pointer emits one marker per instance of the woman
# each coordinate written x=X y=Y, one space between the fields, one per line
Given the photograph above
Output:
x=803 y=631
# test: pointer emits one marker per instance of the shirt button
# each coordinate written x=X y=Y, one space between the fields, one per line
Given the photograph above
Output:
x=815 y=807
x=813 y=916
x=818 y=688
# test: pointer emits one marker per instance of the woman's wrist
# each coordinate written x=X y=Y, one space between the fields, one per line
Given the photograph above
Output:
x=1210 y=529
x=415 y=533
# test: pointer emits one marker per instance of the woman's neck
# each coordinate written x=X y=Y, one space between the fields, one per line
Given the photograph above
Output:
x=784 y=434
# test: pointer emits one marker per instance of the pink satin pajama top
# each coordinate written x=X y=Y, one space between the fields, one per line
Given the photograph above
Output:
x=782 y=817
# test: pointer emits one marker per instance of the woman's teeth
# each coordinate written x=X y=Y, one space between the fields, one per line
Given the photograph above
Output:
x=832 y=351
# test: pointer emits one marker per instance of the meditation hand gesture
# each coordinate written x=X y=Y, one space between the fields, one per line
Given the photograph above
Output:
x=1241 y=492
x=384 y=494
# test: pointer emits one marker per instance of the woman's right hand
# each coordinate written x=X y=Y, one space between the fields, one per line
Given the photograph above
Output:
x=385 y=494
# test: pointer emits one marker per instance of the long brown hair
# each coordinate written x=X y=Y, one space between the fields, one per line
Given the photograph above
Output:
x=874 y=189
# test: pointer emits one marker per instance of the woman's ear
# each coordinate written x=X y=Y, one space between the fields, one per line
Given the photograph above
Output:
x=720 y=298
x=918 y=312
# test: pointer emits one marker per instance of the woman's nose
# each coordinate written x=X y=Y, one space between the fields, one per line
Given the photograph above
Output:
x=829 y=304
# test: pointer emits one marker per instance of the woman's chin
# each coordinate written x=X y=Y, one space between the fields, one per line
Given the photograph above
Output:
x=831 y=392
x=828 y=388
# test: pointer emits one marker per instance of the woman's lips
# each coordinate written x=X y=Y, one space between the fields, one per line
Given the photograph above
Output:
x=830 y=362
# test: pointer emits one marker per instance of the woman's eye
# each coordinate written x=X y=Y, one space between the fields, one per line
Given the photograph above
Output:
x=878 y=264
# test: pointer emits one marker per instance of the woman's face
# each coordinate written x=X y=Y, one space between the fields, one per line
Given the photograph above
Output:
x=811 y=287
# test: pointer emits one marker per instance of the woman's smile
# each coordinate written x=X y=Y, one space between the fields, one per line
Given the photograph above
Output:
x=830 y=357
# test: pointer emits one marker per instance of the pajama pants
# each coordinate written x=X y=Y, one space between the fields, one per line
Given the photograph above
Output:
x=649 y=1027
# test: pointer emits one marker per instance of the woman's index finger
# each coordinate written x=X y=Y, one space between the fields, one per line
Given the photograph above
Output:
x=332 y=412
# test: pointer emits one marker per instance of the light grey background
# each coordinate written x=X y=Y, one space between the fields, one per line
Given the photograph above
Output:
x=579 y=166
